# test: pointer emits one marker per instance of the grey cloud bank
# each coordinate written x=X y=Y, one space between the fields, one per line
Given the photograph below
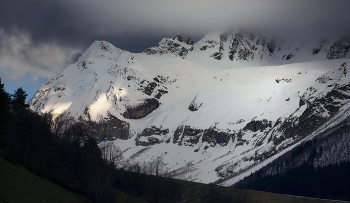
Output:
x=40 y=36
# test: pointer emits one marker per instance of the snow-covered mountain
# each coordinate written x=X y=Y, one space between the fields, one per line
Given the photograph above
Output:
x=215 y=110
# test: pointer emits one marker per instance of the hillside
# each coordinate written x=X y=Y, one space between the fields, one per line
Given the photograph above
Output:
x=318 y=167
x=215 y=110
x=19 y=185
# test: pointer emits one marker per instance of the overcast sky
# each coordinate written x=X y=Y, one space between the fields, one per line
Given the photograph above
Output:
x=38 y=37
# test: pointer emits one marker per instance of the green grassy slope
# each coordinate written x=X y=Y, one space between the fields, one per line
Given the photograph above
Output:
x=20 y=185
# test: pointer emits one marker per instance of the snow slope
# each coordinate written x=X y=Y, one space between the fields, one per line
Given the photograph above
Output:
x=211 y=113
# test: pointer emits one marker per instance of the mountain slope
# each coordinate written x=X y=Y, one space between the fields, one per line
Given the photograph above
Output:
x=318 y=167
x=212 y=109
x=19 y=185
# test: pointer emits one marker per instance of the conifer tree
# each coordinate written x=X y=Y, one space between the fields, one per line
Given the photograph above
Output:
x=4 y=107
x=19 y=99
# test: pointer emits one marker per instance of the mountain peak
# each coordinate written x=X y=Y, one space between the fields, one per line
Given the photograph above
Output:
x=102 y=45
x=178 y=38
x=174 y=46
x=212 y=109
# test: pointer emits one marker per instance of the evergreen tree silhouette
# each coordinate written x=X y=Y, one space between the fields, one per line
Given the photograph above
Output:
x=19 y=100
x=4 y=107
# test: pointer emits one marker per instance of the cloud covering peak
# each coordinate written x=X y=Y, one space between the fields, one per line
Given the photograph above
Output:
x=39 y=36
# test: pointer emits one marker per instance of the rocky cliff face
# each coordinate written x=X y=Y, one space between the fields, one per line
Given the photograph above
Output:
x=249 y=47
x=321 y=101
x=111 y=128
x=172 y=46
x=141 y=110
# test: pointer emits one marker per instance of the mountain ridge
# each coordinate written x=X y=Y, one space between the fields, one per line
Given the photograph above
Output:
x=211 y=112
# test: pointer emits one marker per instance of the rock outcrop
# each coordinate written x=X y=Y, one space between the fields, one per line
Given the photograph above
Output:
x=141 y=110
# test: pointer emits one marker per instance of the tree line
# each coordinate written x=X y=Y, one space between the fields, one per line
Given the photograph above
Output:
x=329 y=182
x=296 y=173
x=65 y=151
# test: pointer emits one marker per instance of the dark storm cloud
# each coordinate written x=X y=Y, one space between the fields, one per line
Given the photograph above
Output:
x=197 y=17
x=38 y=35
x=72 y=23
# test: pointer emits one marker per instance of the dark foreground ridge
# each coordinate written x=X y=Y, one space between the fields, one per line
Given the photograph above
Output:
x=317 y=168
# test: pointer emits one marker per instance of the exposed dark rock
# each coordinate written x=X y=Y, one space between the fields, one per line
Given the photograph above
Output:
x=160 y=93
x=178 y=38
x=157 y=87
x=289 y=56
x=315 y=51
x=150 y=141
x=58 y=89
x=183 y=52
x=150 y=51
x=167 y=141
x=271 y=46
x=257 y=125
x=177 y=134
x=219 y=168
x=241 y=47
x=240 y=121
x=149 y=88
x=257 y=41
x=194 y=106
x=301 y=102
x=284 y=80
x=187 y=135
x=84 y=64
x=289 y=130
x=142 y=110
x=105 y=46
x=209 y=44
x=223 y=37
x=174 y=46
x=217 y=55
x=339 y=49
x=161 y=79
x=130 y=77
x=189 y=41
x=316 y=113
x=214 y=137
x=203 y=48
x=112 y=128
x=233 y=49
x=147 y=132
x=240 y=140
x=245 y=54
